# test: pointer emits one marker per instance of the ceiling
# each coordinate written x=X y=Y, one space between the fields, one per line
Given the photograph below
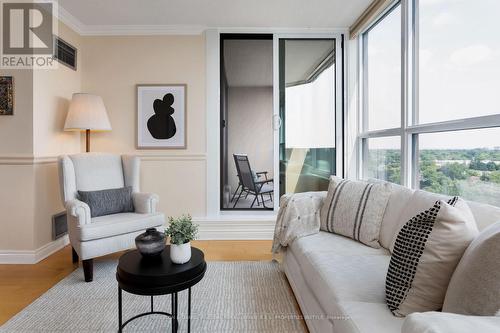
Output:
x=93 y=16
x=249 y=63
x=302 y=57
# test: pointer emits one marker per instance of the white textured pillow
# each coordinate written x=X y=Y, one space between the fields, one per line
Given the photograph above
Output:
x=398 y=200
x=355 y=209
x=474 y=288
x=426 y=252
x=418 y=202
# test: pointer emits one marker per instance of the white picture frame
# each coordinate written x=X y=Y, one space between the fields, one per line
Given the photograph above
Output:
x=161 y=116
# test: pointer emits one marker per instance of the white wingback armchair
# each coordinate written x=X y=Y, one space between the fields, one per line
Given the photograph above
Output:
x=92 y=237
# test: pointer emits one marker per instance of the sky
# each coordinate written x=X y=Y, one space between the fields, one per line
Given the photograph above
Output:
x=459 y=69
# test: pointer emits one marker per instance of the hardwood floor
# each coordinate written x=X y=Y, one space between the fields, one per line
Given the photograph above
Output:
x=22 y=284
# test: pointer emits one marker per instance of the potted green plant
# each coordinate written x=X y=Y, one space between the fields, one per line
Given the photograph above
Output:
x=181 y=231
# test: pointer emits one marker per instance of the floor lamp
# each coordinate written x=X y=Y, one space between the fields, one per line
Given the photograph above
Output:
x=87 y=113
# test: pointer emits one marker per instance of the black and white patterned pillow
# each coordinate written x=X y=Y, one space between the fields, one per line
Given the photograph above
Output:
x=408 y=250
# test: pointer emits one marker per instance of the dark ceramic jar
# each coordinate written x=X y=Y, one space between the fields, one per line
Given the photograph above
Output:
x=151 y=243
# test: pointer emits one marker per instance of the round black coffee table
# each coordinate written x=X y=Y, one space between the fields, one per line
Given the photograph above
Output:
x=158 y=276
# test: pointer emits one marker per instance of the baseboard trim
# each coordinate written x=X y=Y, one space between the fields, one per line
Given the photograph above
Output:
x=224 y=228
x=235 y=229
x=32 y=257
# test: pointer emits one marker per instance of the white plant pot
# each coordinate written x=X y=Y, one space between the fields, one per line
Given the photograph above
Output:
x=180 y=254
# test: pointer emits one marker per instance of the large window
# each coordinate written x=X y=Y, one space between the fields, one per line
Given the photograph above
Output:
x=464 y=163
x=446 y=137
x=459 y=59
x=383 y=72
x=307 y=109
x=383 y=159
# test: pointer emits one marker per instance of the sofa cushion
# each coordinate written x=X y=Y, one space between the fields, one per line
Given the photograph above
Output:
x=358 y=278
x=419 y=202
x=440 y=322
x=474 y=288
x=332 y=243
x=426 y=252
x=371 y=317
x=337 y=268
x=355 y=209
x=485 y=215
x=117 y=224
x=398 y=200
x=316 y=318
x=339 y=316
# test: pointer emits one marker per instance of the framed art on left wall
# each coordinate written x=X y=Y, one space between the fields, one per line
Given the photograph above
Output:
x=161 y=116
x=6 y=95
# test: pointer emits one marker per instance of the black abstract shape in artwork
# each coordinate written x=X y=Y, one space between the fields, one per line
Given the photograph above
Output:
x=162 y=125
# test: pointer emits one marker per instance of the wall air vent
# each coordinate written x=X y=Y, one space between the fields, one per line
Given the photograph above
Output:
x=65 y=53
x=59 y=225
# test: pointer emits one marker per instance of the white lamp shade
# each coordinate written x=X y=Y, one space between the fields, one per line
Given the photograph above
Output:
x=87 y=112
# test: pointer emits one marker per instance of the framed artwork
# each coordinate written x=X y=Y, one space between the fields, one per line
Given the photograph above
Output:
x=161 y=116
x=6 y=95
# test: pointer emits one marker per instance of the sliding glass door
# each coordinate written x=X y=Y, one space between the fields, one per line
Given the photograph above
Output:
x=246 y=114
x=281 y=117
x=308 y=93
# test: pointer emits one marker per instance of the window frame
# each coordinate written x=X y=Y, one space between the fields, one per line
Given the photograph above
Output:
x=409 y=128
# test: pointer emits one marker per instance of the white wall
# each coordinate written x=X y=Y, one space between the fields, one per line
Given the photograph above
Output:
x=16 y=180
x=30 y=140
x=52 y=92
x=16 y=131
x=16 y=207
x=250 y=129
x=113 y=68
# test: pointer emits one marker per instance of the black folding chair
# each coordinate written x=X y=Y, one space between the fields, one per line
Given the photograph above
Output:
x=249 y=184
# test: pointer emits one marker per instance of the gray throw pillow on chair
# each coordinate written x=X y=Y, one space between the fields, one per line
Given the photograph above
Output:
x=107 y=202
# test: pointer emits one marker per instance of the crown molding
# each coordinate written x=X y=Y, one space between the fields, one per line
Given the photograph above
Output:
x=283 y=30
x=75 y=24
x=124 y=30
x=151 y=30
x=141 y=30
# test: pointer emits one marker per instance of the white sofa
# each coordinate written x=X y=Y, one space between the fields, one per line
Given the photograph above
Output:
x=339 y=283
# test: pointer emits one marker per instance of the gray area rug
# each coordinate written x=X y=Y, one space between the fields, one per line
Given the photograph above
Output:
x=232 y=297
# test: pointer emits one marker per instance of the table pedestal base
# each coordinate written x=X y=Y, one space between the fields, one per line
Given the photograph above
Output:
x=173 y=315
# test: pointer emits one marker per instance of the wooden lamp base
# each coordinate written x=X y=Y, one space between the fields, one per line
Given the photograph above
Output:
x=87 y=141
